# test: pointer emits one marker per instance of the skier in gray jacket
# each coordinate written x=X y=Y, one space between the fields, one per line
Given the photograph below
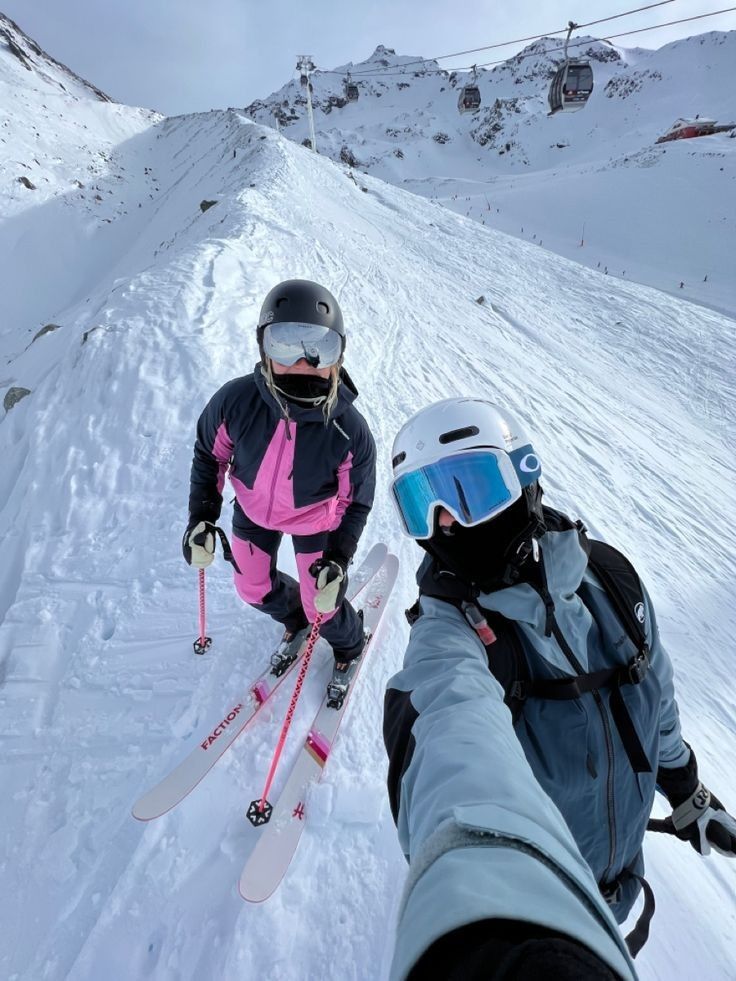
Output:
x=523 y=836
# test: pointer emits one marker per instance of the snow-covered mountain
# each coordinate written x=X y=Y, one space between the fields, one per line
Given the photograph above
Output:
x=594 y=177
x=126 y=304
x=66 y=166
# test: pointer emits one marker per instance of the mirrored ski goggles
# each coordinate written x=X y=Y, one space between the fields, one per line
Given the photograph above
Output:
x=288 y=343
x=473 y=486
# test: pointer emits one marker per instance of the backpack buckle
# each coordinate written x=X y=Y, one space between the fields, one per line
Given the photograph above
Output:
x=611 y=891
x=638 y=668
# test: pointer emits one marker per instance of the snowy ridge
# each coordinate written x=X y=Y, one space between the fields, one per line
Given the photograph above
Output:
x=47 y=71
x=588 y=176
x=630 y=395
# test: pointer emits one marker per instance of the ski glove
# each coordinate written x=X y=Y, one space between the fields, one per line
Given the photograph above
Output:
x=198 y=544
x=329 y=575
x=698 y=816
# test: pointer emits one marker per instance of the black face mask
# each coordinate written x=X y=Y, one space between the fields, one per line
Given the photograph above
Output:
x=483 y=555
x=303 y=388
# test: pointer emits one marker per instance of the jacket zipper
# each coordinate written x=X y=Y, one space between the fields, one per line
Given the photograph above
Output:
x=567 y=651
x=286 y=437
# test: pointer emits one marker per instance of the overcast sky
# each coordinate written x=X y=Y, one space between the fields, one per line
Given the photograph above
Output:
x=182 y=56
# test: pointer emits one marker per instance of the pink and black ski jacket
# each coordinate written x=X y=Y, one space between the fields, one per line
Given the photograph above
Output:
x=292 y=474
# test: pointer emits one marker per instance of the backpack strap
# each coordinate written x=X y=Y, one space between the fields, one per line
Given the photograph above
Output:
x=625 y=593
x=611 y=892
x=506 y=658
x=633 y=673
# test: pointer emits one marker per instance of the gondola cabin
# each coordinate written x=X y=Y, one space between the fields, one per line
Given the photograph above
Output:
x=351 y=92
x=571 y=87
x=469 y=99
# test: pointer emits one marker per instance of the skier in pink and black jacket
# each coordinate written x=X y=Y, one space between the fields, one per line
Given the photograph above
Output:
x=301 y=460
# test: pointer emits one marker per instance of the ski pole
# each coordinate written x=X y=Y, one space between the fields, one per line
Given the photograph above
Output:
x=202 y=643
x=259 y=811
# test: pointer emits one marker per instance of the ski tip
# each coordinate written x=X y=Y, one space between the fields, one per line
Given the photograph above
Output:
x=250 y=894
x=141 y=814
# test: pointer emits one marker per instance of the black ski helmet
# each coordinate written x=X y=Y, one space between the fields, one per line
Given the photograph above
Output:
x=300 y=301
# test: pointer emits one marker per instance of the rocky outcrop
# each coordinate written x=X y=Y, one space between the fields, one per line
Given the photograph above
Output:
x=14 y=395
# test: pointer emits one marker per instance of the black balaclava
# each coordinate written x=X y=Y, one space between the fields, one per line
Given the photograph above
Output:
x=491 y=555
x=302 y=388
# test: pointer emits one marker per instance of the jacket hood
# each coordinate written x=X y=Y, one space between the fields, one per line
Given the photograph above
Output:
x=565 y=562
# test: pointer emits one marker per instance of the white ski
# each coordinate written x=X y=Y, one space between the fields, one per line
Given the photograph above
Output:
x=279 y=839
x=213 y=743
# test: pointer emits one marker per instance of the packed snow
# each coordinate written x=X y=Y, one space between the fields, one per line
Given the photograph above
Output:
x=150 y=304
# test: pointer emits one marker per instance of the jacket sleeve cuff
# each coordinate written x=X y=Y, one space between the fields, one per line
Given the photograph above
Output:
x=208 y=510
x=341 y=548
x=679 y=782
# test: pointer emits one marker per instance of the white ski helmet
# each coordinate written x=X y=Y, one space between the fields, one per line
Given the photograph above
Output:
x=435 y=463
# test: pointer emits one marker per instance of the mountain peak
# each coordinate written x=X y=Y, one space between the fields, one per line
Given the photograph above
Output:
x=19 y=50
x=381 y=51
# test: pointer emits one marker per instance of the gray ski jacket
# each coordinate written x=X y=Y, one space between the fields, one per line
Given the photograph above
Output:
x=522 y=822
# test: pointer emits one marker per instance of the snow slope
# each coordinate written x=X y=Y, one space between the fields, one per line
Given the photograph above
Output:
x=630 y=393
x=68 y=156
x=660 y=215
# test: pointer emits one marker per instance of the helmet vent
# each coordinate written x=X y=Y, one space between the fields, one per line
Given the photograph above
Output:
x=322 y=307
x=399 y=458
x=456 y=434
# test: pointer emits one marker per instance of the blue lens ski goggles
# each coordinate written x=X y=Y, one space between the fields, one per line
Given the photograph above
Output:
x=289 y=343
x=473 y=486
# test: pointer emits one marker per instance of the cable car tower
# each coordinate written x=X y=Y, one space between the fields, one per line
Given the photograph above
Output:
x=469 y=98
x=305 y=66
x=572 y=84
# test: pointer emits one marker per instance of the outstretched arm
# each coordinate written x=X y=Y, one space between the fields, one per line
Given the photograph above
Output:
x=484 y=842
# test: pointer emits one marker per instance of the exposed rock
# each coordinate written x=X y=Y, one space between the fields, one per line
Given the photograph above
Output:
x=441 y=138
x=205 y=205
x=348 y=157
x=45 y=330
x=16 y=49
x=625 y=85
x=480 y=300
x=493 y=120
x=13 y=396
x=91 y=330
x=26 y=183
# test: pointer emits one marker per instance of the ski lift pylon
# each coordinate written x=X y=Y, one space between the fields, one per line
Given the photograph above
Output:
x=573 y=82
